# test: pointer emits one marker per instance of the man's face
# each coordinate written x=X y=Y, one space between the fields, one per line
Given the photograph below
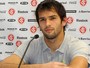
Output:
x=50 y=23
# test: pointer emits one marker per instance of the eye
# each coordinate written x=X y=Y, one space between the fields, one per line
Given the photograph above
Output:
x=52 y=18
x=42 y=19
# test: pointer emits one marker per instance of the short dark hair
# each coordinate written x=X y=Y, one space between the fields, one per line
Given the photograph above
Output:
x=51 y=4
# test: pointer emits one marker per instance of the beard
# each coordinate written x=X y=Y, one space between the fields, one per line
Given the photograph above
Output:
x=51 y=36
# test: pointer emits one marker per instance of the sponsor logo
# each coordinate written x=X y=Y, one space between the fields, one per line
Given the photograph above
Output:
x=19 y=11
x=21 y=20
x=24 y=3
x=12 y=29
x=21 y=37
x=2 y=20
x=84 y=11
x=32 y=10
x=84 y=38
x=10 y=37
x=89 y=45
x=0 y=52
x=33 y=29
x=2 y=29
x=3 y=37
x=71 y=11
x=23 y=29
x=82 y=29
x=11 y=20
x=73 y=29
x=13 y=3
x=2 y=3
x=9 y=43
x=9 y=52
x=11 y=11
x=64 y=2
x=32 y=20
x=2 y=11
x=82 y=20
x=73 y=2
x=69 y=20
x=83 y=2
x=18 y=43
x=1 y=43
x=33 y=2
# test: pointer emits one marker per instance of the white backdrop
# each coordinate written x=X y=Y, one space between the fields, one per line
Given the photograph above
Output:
x=18 y=24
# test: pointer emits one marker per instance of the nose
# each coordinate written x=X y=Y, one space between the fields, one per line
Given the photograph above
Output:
x=48 y=22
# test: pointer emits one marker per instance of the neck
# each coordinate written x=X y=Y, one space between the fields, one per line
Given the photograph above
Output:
x=55 y=43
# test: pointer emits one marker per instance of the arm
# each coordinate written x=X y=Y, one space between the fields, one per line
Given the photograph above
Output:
x=79 y=62
x=13 y=61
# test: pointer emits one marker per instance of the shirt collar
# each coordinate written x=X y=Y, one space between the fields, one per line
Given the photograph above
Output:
x=45 y=47
x=63 y=45
x=60 y=49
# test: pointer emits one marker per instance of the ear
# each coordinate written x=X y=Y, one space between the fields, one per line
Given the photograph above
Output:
x=64 y=22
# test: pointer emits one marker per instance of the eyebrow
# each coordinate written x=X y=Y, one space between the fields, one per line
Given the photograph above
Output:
x=53 y=16
x=49 y=16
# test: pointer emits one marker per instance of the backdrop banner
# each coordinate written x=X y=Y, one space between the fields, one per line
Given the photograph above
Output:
x=18 y=23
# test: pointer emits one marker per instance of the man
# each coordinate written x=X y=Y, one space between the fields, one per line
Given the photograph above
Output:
x=55 y=49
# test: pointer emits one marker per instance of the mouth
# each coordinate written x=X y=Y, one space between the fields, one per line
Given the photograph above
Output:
x=48 y=30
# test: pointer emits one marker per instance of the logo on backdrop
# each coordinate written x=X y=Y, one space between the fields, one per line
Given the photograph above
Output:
x=2 y=11
x=24 y=3
x=18 y=43
x=33 y=29
x=2 y=37
x=13 y=3
x=12 y=29
x=21 y=20
x=82 y=29
x=0 y=52
x=2 y=20
x=69 y=20
x=9 y=43
x=33 y=2
x=23 y=29
x=11 y=11
x=10 y=37
x=83 y=2
x=1 y=43
x=2 y=3
x=11 y=20
x=2 y=29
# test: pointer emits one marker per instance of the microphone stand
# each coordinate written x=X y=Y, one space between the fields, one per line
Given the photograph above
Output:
x=36 y=36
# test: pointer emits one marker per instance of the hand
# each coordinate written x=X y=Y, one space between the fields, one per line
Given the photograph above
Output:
x=55 y=65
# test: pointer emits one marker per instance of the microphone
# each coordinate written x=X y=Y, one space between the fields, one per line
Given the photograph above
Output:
x=35 y=37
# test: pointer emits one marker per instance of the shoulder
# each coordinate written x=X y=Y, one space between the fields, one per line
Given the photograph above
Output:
x=37 y=41
x=74 y=41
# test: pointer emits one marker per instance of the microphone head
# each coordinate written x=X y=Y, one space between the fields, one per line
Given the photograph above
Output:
x=36 y=36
